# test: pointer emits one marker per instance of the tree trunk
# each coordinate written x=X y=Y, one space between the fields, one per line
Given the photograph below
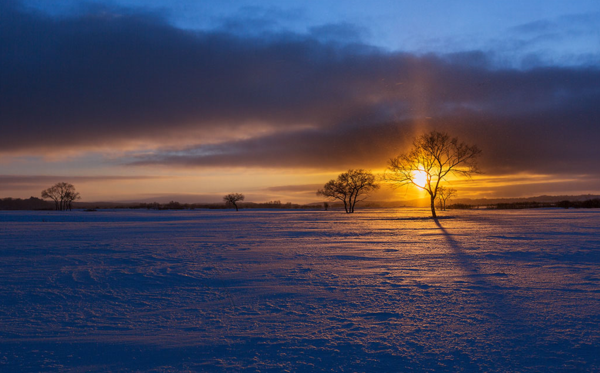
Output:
x=433 y=207
x=235 y=205
x=354 y=201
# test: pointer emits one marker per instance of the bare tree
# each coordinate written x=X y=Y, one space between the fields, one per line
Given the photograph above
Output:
x=350 y=187
x=233 y=198
x=67 y=191
x=54 y=194
x=63 y=194
x=433 y=157
x=71 y=196
x=444 y=195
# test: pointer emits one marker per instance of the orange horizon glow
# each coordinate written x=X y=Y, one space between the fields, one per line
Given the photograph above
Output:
x=292 y=185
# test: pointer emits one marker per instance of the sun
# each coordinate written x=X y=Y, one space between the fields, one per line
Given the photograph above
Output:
x=420 y=178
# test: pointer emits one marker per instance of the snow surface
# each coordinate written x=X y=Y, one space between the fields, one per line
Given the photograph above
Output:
x=380 y=290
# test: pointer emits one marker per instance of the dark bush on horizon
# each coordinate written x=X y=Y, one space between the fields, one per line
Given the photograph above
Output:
x=587 y=204
x=461 y=206
x=521 y=205
x=219 y=206
x=32 y=203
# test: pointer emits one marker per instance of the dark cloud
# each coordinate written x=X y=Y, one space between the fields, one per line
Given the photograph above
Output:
x=15 y=182
x=549 y=142
x=343 y=146
x=111 y=77
x=561 y=184
x=32 y=185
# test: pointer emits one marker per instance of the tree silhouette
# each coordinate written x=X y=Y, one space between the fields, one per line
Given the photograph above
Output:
x=350 y=187
x=434 y=156
x=63 y=194
x=233 y=198
x=70 y=196
x=52 y=193
x=444 y=195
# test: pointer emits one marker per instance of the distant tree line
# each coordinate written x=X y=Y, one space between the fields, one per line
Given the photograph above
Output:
x=461 y=206
x=587 y=204
x=220 y=206
x=521 y=205
x=590 y=203
x=32 y=203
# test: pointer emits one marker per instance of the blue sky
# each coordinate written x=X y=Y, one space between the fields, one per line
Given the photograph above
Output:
x=518 y=33
x=197 y=98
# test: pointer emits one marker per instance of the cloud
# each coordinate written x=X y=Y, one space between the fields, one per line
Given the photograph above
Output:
x=548 y=142
x=109 y=78
x=299 y=192
x=258 y=20
x=302 y=188
x=343 y=146
x=531 y=186
x=344 y=32
x=569 y=39
x=322 y=100
x=573 y=24
x=16 y=182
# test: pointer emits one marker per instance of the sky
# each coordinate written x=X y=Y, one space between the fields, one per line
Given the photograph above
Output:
x=187 y=100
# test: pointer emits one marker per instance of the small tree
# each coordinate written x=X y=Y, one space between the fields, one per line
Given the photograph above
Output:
x=54 y=194
x=63 y=194
x=433 y=157
x=71 y=196
x=350 y=187
x=444 y=195
x=233 y=198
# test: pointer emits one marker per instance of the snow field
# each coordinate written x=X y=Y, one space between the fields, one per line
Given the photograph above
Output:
x=380 y=290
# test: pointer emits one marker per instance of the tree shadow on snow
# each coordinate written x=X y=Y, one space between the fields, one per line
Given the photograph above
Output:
x=521 y=340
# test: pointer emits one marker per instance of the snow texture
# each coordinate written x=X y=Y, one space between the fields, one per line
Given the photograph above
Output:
x=271 y=291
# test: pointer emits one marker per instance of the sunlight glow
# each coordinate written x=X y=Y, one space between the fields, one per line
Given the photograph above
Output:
x=420 y=178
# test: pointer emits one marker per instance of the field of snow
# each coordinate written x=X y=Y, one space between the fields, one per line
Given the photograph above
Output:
x=380 y=290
